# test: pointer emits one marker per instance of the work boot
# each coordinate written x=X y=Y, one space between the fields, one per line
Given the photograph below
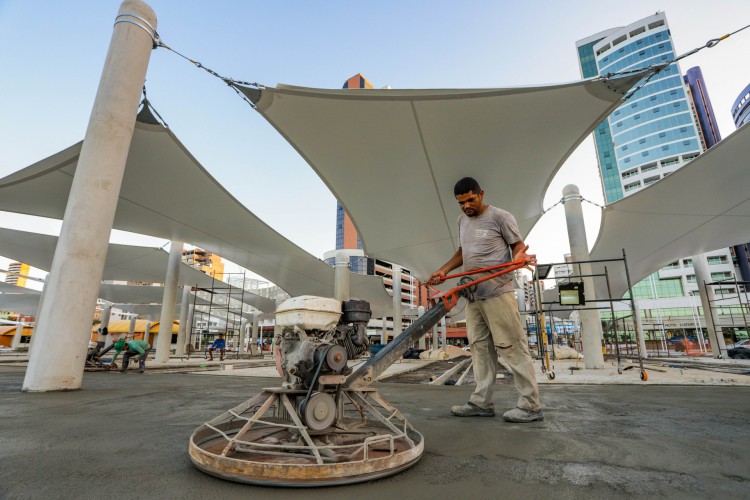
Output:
x=472 y=410
x=142 y=365
x=519 y=415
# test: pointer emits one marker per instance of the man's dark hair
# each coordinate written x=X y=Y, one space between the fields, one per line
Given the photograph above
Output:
x=465 y=185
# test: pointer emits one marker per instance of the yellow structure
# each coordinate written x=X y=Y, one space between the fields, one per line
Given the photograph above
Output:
x=120 y=328
x=7 y=333
x=17 y=272
x=206 y=262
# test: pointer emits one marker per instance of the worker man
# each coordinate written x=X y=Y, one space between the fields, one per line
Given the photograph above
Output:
x=489 y=236
x=131 y=348
x=219 y=344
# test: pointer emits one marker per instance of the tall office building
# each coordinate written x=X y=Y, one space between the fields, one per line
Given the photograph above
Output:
x=664 y=125
x=741 y=108
x=654 y=132
x=17 y=272
x=346 y=234
x=741 y=116
x=348 y=239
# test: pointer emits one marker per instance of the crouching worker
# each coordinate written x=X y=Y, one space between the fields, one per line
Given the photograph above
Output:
x=219 y=344
x=131 y=348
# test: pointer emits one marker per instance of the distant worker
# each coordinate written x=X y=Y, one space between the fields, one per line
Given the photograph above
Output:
x=489 y=236
x=131 y=348
x=219 y=344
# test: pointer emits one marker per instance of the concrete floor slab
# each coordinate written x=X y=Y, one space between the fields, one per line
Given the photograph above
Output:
x=125 y=436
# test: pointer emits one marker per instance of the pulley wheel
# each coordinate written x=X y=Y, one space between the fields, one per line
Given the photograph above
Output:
x=336 y=358
x=319 y=412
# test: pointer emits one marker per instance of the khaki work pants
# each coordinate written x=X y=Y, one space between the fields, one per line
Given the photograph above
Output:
x=494 y=327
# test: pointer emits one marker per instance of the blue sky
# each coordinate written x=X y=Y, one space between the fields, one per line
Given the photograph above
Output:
x=52 y=54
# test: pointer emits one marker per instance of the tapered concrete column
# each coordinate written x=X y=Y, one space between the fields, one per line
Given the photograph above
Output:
x=184 y=310
x=422 y=340
x=396 y=301
x=444 y=333
x=17 y=337
x=253 y=346
x=164 y=338
x=131 y=327
x=147 y=330
x=65 y=320
x=590 y=323
x=189 y=324
x=106 y=314
x=243 y=334
x=703 y=276
x=384 y=332
x=341 y=270
x=38 y=311
x=639 y=325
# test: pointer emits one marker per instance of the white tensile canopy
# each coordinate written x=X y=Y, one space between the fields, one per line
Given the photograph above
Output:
x=392 y=156
x=123 y=263
x=167 y=194
x=701 y=207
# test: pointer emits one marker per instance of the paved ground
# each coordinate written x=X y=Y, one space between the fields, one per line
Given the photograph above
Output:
x=125 y=436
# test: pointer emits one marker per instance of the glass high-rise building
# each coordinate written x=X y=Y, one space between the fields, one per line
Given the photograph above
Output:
x=654 y=132
x=661 y=127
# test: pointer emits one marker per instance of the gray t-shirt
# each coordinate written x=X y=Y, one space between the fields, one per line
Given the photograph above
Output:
x=485 y=241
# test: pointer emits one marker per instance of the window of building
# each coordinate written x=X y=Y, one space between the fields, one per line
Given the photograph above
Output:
x=656 y=110
x=638 y=31
x=641 y=141
x=625 y=147
x=716 y=260
x=656 y=24
x=648 y=167
x=665 y=147
x=688 y=262
x=636 y=117
x=690 y=278
x=645 y=153
x=662 y=134
x=686 y=143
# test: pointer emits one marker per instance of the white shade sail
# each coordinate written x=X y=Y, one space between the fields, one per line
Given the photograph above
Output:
x=123 y=263
x=167 y=194
x=391 y=157
x=701 y=207
x=18 y=299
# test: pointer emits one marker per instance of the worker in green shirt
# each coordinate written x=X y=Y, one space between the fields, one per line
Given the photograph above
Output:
x=131 y=348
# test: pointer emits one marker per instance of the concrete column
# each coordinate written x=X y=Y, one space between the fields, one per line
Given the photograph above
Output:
x=76 y=273
x=384 y=332
x=17 y=337
x=396 y=301
x=422 y=340
x=106 y=314
x=243 y=334
x=444 y=333
x=147 y=330
x=189 y=324
x=590 y=324
x=639 y=325
x=703 y=276
x=341 y=283
x=184 y=310
x=164 y=338
x=253 y=346
x=131 y=327
x=38 y=311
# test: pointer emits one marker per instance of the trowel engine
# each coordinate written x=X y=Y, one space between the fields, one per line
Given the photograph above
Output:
x=316 y=339
x=308 y=354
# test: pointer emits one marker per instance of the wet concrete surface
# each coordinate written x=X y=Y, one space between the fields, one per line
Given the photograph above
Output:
x=126 y=435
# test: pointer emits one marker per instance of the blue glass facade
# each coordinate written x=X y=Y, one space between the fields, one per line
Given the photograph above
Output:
x=654 y=131
x=602 y=136
x=704 y=110
x=741 y=108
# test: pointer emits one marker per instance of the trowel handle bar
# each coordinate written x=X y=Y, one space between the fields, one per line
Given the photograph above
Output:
x=450 y=297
